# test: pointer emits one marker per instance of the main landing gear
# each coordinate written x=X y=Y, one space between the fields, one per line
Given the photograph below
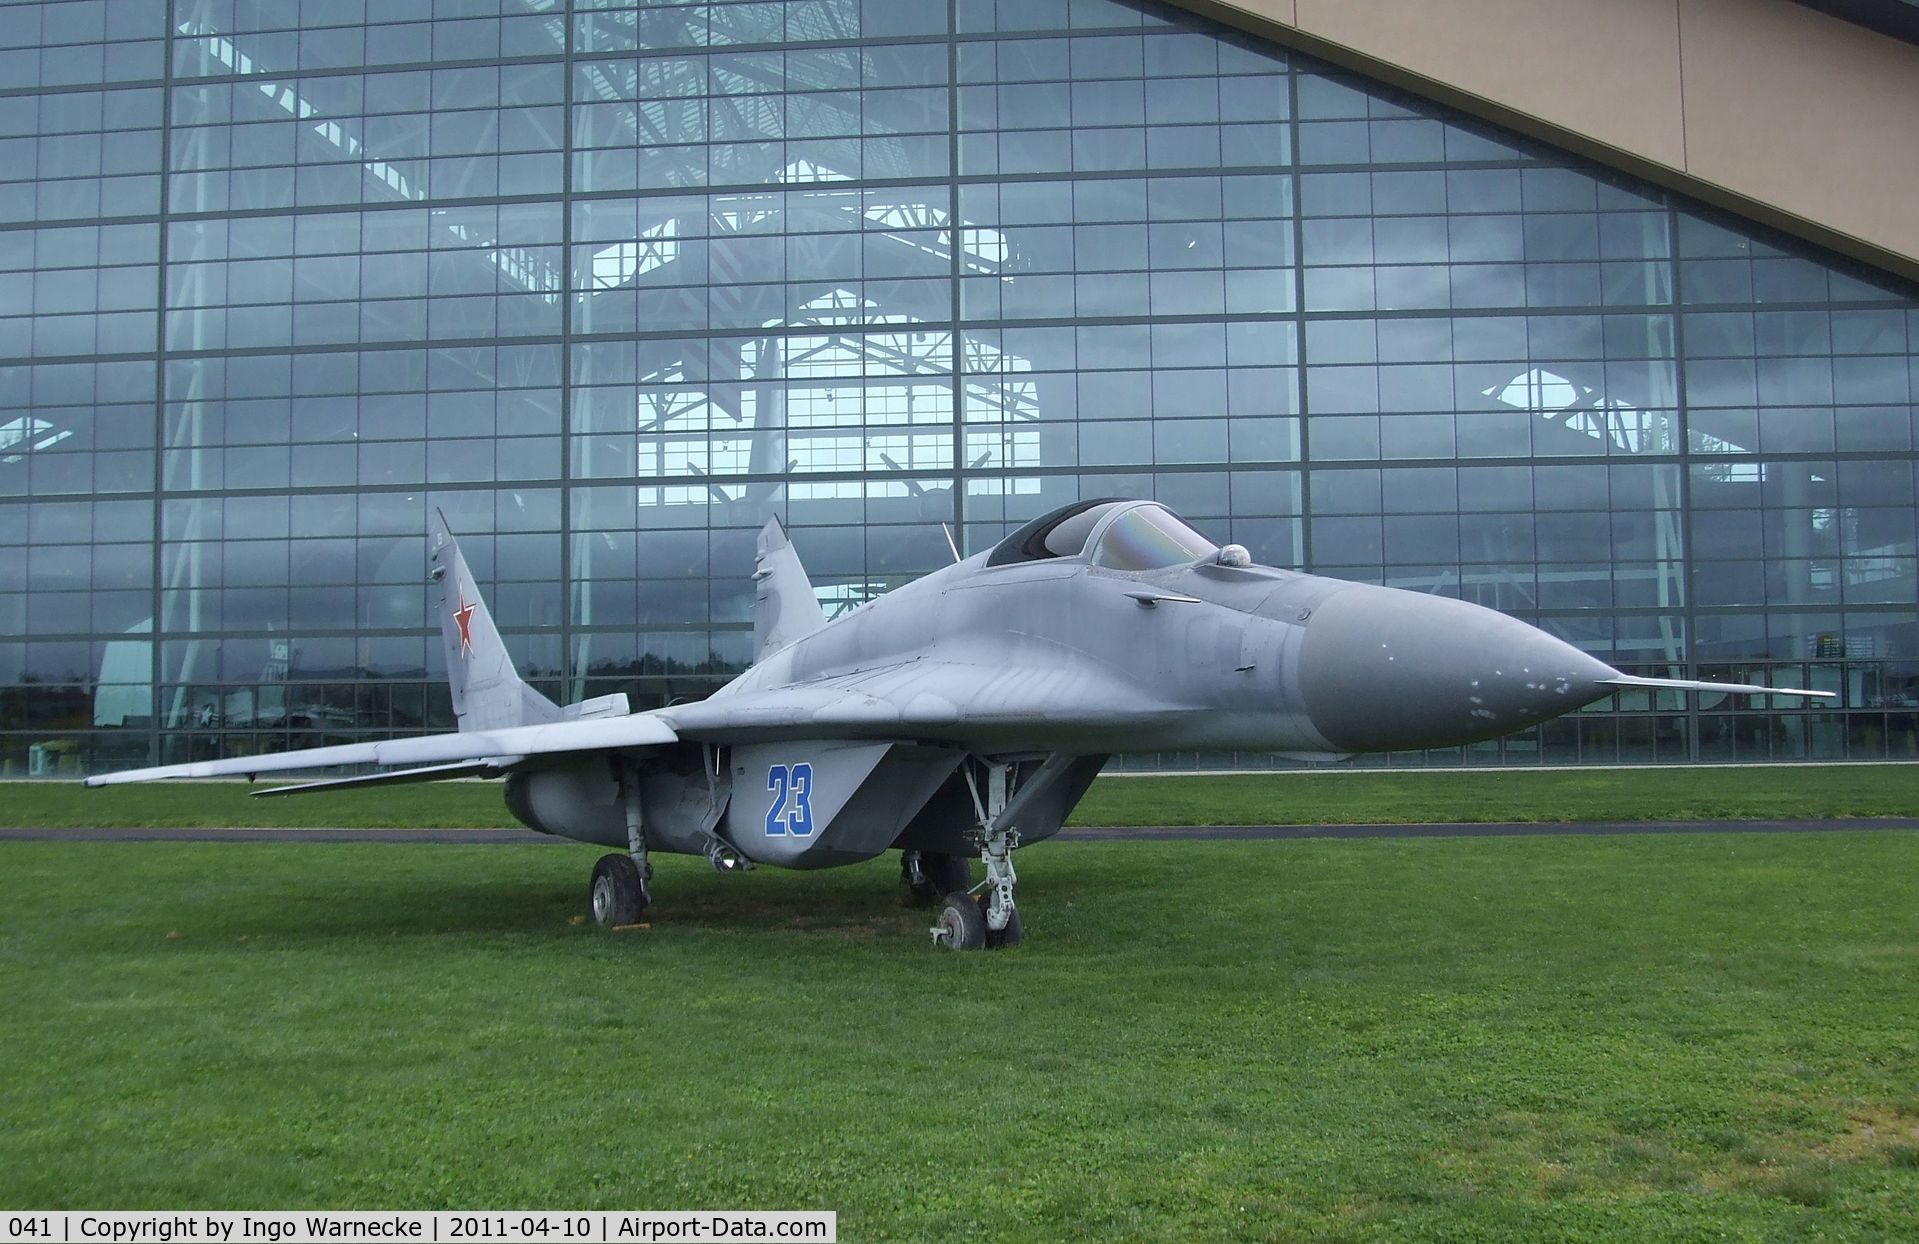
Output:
x=930 y=876
x=618 y=894
x=988 y=920
x=622 y=884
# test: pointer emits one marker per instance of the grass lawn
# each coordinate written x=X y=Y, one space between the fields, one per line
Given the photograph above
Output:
x=1321 y=798
x=1674 y=1037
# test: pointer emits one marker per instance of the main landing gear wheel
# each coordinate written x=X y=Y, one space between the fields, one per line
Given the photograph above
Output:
x=617 y=894
x=962 y=925
x=930 y=876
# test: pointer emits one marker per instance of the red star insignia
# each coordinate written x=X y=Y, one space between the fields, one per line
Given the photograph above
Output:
x=463 y=617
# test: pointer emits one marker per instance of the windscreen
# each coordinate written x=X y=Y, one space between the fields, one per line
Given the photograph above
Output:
x=1059 y=533
x=1147 y=538
x=1068 y=537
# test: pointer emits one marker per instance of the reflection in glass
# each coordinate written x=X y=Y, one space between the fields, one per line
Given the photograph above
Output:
x=838 y=263
x=1147 y=537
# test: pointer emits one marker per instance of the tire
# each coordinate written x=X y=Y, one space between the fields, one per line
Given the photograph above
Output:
x=960 y=925
x=1012 y=935
x=616 y=895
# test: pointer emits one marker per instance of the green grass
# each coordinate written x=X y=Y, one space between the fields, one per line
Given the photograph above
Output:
x=1336 y=797
x=1404 y=798
x=1674 y=1037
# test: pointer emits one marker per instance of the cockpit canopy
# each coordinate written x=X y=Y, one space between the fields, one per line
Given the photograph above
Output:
x=1119 y=535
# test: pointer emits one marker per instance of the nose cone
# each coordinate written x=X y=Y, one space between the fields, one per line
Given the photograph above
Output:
x=1385 y=670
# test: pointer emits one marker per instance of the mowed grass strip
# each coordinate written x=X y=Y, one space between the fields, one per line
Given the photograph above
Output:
x=1333 y=797
x=1362 y=797
x=1689 y=1036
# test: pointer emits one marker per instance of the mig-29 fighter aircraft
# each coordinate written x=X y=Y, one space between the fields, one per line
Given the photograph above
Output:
x=966 y=713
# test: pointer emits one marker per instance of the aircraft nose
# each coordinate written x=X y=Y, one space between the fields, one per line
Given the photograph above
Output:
x=1382 y=669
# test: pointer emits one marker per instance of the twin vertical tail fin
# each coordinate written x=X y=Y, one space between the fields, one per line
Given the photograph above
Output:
x=487 y=691
x=784 y=606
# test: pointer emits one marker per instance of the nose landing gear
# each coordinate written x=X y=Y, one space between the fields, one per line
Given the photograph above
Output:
x=991 y=920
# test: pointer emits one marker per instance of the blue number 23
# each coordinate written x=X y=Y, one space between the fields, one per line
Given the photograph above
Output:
x=792 y=810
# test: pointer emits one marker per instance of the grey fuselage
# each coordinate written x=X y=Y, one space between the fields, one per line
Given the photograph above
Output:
x=976 y=704
x=1254 y=659
x=1051 y=656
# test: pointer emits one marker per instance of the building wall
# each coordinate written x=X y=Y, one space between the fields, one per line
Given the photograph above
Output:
x=611 y=286
x=1766 y=107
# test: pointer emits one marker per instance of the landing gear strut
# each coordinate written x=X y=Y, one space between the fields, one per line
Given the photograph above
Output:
x=996 y=904
x=621 y=889
x=991 y=920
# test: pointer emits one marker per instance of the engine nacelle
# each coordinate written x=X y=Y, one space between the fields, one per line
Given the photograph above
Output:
x=576 y=801
x=581 y=799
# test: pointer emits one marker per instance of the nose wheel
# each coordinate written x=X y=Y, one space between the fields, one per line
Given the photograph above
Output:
x=1011 y=935
x=961 y=924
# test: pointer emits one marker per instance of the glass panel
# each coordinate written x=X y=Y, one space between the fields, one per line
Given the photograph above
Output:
x=1148 y=538
x=847 y=263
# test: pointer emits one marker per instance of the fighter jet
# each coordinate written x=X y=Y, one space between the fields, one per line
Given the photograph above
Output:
x=964 y=714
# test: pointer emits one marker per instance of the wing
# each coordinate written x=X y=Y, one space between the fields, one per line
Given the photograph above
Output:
x=502 y=720
x=507 y=746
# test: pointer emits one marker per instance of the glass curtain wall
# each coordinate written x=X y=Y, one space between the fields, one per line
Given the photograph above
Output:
x=612 y=283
